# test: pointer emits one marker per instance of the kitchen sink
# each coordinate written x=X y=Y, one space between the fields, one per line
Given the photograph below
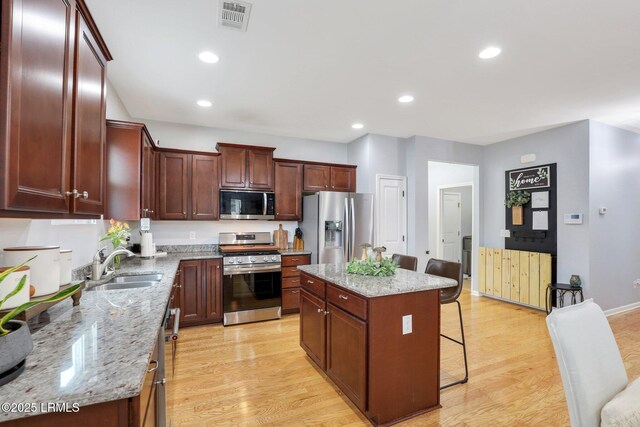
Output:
x=128 y=282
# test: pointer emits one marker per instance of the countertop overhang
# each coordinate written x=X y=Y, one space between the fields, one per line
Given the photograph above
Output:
x=403 y=281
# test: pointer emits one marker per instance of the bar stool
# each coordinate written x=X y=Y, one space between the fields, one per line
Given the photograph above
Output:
x=405 y=261
x=451 y=270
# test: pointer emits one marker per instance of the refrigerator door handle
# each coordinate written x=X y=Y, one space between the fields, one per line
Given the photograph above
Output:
x=346 y=231
x=352 y=228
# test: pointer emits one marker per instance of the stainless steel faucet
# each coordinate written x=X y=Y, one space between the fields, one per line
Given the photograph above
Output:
x=99 y=267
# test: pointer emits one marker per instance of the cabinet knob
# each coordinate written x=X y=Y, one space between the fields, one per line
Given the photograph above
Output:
x=85 y=195
x=320 y=310
x=325 y=186
x=333 y=186
x=155 y=366
x=184 y=213
x=326 y=312
x=310 y=282
x=295 y=292
x=343 y=297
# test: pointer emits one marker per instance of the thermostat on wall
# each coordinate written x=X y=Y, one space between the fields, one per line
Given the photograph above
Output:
x=573 y=218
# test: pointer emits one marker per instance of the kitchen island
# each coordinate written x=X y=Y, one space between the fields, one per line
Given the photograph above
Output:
x=377 y=338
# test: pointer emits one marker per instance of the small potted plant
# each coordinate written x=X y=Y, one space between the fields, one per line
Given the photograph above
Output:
x=515 y=200
x=15 y=337
x=118 y=234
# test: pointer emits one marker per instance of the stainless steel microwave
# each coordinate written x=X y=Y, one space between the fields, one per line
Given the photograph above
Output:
x=237 y=204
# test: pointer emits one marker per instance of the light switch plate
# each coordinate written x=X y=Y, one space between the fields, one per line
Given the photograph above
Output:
x=407 y=324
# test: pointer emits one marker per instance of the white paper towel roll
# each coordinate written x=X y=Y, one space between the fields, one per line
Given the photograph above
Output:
x=146 y=245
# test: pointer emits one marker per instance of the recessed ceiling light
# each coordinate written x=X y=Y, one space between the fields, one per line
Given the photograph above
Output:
x=490 y=52
x=204 y=103
x=208 y=57
x=357 y=125
x=405 y=98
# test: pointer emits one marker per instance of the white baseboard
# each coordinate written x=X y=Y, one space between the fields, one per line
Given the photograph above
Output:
x=622 y=309
x=475 y=293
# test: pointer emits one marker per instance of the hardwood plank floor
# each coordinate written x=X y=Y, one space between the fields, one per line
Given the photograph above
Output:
x=257 y=374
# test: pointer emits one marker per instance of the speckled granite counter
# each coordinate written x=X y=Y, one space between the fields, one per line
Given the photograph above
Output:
x=403 y=281
x=294 y=252
x=99 y=350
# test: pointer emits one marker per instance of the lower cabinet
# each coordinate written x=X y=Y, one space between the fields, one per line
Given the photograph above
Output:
x=313 y=327
x=147 y=414
x=347 y=354
x=291 y=281
x=200 y=292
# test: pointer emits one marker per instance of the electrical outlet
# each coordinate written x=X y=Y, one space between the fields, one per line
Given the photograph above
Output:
x=636 y=283
x=505 y=233
x=407 y=324
x=192 y=235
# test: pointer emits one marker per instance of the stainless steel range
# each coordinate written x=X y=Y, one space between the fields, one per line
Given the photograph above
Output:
x=251 y=284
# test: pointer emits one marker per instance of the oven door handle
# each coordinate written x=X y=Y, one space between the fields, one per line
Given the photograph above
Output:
x=255 y=269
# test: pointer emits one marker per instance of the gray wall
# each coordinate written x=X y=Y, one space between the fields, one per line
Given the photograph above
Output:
x=568 y=146
x=200 y=138
x=613 y=245
x=376 y=154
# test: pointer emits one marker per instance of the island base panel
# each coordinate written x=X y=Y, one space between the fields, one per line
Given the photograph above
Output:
x=404 y=369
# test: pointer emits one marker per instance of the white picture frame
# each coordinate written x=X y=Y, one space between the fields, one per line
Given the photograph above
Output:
x=540 y=220
x=540 y=200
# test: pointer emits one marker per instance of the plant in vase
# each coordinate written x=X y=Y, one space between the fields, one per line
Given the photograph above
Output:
x=515 y=200
x=15 y=338
x=371 y=267
x=118 y=234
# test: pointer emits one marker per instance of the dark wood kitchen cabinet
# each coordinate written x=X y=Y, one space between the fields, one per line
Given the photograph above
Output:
x=200 y=296
x=323 y=177
x=131 y=171
x=313 y=327
x=53 y=90
x=291 y=281
x=288 y=189
x=187 y=185
x=245 y=166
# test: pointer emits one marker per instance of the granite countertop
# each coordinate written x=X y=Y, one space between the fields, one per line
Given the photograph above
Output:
x=403 y=281
x=294 y=252
x=97 y=351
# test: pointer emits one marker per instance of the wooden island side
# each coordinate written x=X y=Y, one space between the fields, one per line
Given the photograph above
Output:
x=378 y=339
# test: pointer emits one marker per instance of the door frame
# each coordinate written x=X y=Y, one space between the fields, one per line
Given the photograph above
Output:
x=441 y=189
x=378 y=209
x=441 y=193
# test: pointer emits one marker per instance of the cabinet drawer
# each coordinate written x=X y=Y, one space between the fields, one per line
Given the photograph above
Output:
x=290 y=282
x=293 y=260
x=290 y=299
x=347 y=301
x=312 y=284
x=290 y=272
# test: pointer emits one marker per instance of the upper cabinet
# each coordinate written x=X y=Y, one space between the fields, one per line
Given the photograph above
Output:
x=288 y=180
x=245 y=167
x=322 y=177
x=130 y=171
x=187 y=185
x=52 y=88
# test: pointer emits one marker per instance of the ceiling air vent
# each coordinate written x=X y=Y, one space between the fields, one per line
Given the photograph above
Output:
x=234 y=14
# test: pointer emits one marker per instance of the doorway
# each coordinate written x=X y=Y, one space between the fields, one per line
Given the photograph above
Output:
x=454 y=215
x=391 y=213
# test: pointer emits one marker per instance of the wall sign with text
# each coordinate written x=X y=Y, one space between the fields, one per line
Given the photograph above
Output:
x=525 y=179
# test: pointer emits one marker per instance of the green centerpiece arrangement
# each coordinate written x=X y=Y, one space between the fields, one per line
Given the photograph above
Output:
x=371 y=267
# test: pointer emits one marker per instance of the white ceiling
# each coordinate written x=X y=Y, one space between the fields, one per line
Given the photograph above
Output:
x=312 y=68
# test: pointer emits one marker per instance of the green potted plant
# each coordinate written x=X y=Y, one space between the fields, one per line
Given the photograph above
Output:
x=117 y=234
x=515 y=200
x=15 y=337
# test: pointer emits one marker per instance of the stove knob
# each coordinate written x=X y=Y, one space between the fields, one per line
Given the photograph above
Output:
x=238 y=260
x=252 y=259
x=265 y=259
x=231 y=261
x=274 y=258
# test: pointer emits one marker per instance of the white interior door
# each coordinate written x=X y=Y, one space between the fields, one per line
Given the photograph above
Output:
x=391 y=218
x=450 y=226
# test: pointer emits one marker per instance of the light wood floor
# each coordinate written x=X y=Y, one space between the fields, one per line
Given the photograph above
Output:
x=257 y=374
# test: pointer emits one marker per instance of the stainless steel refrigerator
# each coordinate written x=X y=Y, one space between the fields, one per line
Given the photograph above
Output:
x=335 y=225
